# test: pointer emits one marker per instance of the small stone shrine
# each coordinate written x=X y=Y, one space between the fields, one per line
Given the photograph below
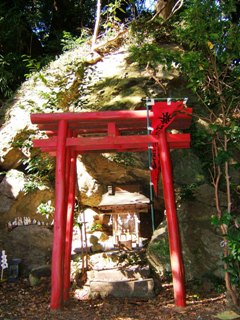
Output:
x=125 y=208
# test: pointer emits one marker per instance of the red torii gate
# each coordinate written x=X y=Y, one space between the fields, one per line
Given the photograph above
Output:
x=71 y=134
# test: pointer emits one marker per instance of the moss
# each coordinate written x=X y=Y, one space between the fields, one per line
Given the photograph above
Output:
x=160 y=249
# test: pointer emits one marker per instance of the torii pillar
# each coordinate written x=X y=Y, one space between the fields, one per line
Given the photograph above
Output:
x=164 y=117
x=65 y=182
x=172 y=223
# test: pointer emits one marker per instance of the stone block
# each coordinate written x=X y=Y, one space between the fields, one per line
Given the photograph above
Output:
x=117 y=274
x=124 y=289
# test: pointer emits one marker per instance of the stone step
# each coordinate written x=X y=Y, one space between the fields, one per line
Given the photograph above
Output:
x=123 y=289
x=120 y=274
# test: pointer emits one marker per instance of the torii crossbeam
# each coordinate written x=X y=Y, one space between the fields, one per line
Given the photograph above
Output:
x=71 y=134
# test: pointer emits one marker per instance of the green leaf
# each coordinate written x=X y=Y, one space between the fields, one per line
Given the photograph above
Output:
x=222 y=157
x=215 y=221
x=120 y=9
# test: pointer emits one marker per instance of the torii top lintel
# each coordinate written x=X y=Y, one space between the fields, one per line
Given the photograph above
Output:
x=102 y=131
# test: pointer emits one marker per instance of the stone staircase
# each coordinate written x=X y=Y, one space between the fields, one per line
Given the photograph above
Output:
x=118 y=274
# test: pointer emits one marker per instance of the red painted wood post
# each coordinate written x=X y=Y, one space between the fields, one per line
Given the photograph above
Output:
x=67 y=169
x=69 y=224
x=67 y=178
x=59 y=220
x=172 y=222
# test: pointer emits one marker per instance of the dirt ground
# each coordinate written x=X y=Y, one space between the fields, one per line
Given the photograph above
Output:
x=19 y=301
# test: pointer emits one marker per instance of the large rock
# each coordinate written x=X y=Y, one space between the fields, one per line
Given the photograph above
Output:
x=200 y=241
x=31 y=244
x=96 y=172
x=108 y=172
x=19 y=120
x=187 y=168
x=90 y=191
x=11 y=188
x=117 y=84
x=195 y=206
x=27 y=206
x=15 y=203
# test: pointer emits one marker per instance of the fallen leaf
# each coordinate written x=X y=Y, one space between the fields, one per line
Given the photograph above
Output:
x=227 y=315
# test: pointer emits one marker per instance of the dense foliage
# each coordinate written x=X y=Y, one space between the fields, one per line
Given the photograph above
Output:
x=33 y=32
x=204 y=47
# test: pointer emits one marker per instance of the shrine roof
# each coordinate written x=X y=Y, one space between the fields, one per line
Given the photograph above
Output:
x=123 y=198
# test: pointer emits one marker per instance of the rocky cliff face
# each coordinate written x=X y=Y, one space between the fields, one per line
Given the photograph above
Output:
x=64 y=86
x=72 y=83
x=201 y=244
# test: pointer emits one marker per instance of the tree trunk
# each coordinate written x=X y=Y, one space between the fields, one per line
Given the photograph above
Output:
x=166 y=8
x=97 y=24
x=216 y=175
